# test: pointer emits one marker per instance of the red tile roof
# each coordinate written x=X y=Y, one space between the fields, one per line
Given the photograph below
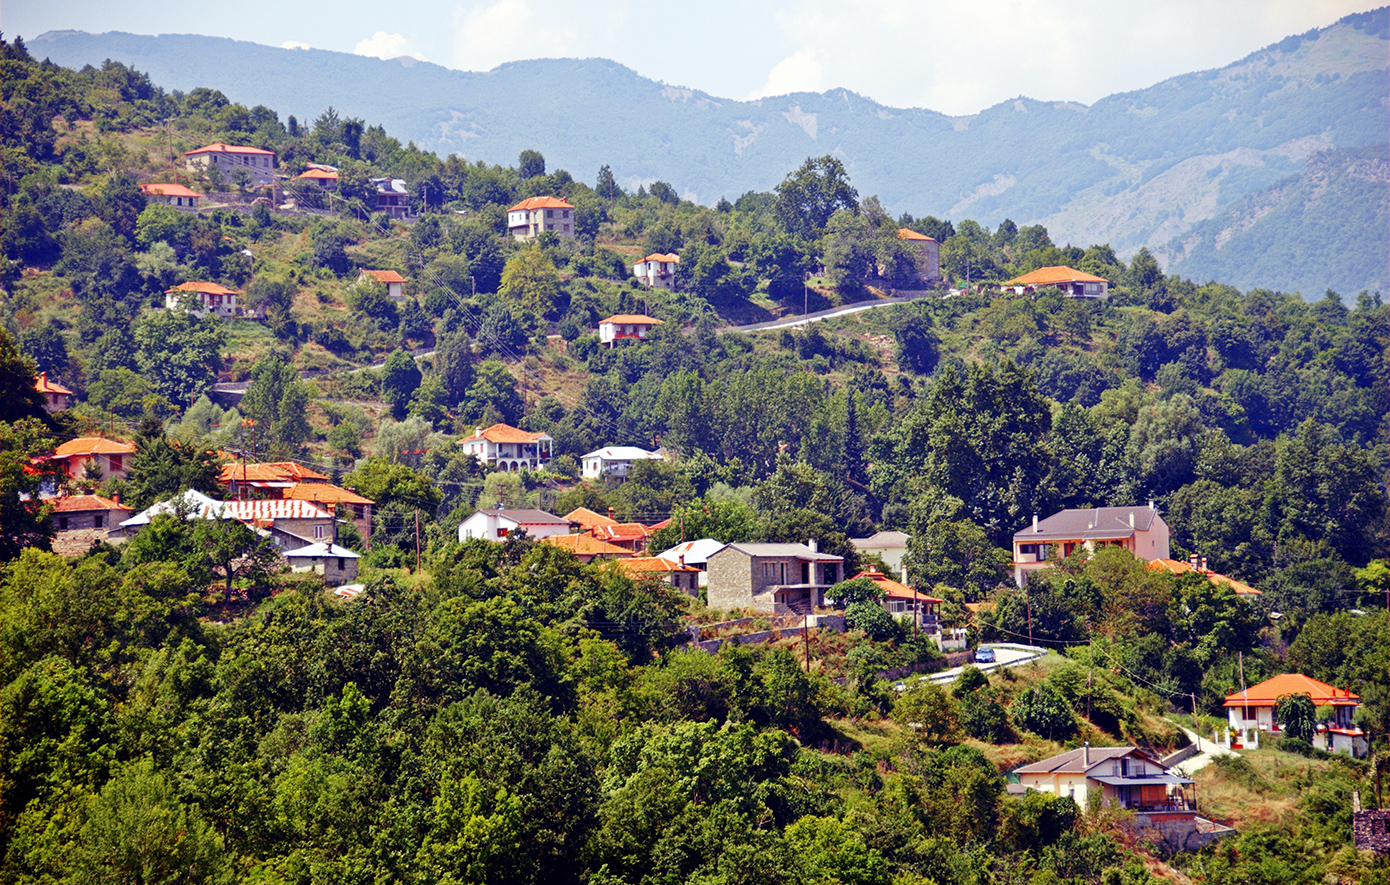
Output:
x=541 y=203
x=894 y=589
x=504 y=433
x=218 y=147
x=664 y=258
x=318 y=173
x=169 y=190
x=86 y=504
x=324 y=493
x=1178 y=567
x=86 y=446
x=204 y=287
x=1269 y=691
x=588 y=519
x=384 y=276
x=1050 y=276
x=632 y=319
x=640 y=564
x=270 y=471
x=43 y=385
x=909 y=234
x=585 y=545
x=622 y=531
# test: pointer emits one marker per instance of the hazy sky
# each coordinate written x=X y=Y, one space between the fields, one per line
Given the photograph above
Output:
x=957 y=57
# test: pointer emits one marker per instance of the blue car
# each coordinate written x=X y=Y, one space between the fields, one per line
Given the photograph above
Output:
x=984 y=656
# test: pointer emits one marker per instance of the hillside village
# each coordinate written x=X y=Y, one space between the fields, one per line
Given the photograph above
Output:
x=552 y=532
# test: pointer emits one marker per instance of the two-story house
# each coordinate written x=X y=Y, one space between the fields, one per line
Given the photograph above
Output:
x=269 y=478
x=625 y=327
x=504 y=447
x=392 y=197
x=1072 y=283
x=330 y=497
x=56 y=397
x=531 y=218
x=890 y=546
x=211 y=297
x=1254 y=708
x=175 y=195
x=613 y=461
x=228 y=158
x=772 y=577
x=394 y=282
x=657 y=270
x=929 y=262
x=108 y=457
x=1140 y=530
x=292 y=523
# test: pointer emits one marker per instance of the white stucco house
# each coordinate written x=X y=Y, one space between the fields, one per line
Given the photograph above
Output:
x=613 y=461
x=496 y=525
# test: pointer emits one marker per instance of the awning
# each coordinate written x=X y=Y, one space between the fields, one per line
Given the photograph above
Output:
x=1153 y=781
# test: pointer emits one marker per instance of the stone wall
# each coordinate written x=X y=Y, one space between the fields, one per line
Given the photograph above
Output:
x=1371 y=830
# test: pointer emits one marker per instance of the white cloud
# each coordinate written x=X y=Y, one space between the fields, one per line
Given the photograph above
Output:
x=294 y=44
x=485 y=36
x=384 y=45
x=799 y=72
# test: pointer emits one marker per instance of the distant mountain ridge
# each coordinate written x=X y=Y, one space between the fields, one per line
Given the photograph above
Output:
x=1138 y=168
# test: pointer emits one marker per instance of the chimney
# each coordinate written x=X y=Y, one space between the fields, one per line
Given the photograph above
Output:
x=477 y=431
x=1193 y=561
x=1131 y=519
x=1151 y=504
x=1035 y=522
x=1086 y=754
x=116 y=498
x=610 y=513
x=681 y=560
x=812 y=544
x=1204 y=563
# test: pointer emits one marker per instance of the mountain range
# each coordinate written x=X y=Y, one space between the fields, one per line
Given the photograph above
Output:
x=1210 y=170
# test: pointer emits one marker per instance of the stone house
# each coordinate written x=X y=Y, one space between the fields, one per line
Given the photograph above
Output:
x=929 y=260
x=337 y=565
x=73 y=512
x=292 y=523
x=685 y=578
x=56 y=397
x=772 y=577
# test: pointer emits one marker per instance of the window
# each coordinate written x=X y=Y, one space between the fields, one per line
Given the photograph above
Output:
x=99 y=521
x=62 y=523
x=318 y=533
x=342 y=564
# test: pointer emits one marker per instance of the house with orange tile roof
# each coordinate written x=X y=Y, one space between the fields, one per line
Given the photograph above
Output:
x=657 y=270
x=243 y=478
x=331 y=497
x=110 y=457
x=625 y=327
x=1253 y=709
x=74 y=512
x=929 y=254
x=902 y=601
x=505 y=447
x=211 y=298
x=497 y=524
x=1074 y=283
x=1198 y=566
x=588 y=520
x=228 y=158
x=628 y=535
x=56 y=397
x=325 y=177
x=175 y=195
x=394 y=282
x=685 y=578
x=586 y=547
x=530 y=218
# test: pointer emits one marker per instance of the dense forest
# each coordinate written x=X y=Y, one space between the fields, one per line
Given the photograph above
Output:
x=177 y=708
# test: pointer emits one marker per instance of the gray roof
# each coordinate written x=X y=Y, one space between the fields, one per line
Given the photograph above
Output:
x=1071 y=762
x=623 y=453
x=786 y=551
x=531 y=517
x=1091 y=524
x=320 y=551
x=882 y=539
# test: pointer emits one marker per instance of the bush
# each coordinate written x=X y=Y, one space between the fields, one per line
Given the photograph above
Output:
x=1290 y=744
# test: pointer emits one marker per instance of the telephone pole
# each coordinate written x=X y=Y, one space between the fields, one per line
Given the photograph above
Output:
x=417 y=541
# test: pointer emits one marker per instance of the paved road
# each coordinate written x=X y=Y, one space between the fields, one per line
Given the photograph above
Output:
x=831 y=313
x=1006 y=654
x=1210 y=752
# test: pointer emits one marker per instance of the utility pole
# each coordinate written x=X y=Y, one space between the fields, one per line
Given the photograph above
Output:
x=417 y=540
x=1028 y=607
x=806 y=634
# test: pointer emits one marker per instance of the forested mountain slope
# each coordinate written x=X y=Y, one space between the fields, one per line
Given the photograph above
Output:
x=1132 y=169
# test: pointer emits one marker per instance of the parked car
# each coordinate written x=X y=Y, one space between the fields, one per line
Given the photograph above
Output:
x=984 y=656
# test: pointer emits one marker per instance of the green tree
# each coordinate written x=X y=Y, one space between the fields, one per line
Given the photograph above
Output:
x=137 y=830
x=18 y=398
x=24 y=521
x=179 y=354
x=1044 y=711
x=162 y=467
x=531 y=164
x=1296 y=715
x=277 y=400
x=399 y=379
x=847 y=251
x=809 y=196
x=929 y=712
x=531 y=280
